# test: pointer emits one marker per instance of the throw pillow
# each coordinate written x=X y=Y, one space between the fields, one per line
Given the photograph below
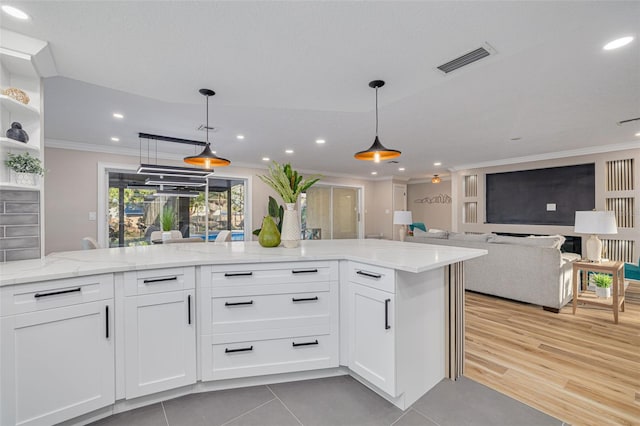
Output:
x=418 y=225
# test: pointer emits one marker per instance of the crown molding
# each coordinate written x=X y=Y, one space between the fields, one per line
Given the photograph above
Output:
x=550 y=156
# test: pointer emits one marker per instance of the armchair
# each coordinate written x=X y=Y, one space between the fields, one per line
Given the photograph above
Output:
x=631 y=271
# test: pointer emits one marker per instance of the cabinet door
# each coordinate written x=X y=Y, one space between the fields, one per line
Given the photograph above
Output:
x=372 y=336
x=57 y=363
x=160 y=342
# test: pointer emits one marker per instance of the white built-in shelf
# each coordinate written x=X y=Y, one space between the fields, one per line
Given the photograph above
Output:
x=17 y=63
x=15 y=187
x=11 y=144
x=18 y=107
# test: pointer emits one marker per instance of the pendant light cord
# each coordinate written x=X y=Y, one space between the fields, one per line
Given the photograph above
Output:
x=376 y=112
x=207 y=128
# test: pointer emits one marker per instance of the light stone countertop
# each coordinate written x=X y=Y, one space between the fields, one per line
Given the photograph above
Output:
x=410 y=257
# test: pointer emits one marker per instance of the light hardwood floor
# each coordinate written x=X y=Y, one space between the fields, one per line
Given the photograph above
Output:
x=582 y=369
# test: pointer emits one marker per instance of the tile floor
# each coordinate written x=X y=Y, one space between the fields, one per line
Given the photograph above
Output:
x=335 y=401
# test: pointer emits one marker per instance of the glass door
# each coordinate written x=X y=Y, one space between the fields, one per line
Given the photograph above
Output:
x=330 y=212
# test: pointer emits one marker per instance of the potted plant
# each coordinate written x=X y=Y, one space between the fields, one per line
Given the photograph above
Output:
x=167 y=221
x=603 y=284
x=289 y=184
x=24 y=168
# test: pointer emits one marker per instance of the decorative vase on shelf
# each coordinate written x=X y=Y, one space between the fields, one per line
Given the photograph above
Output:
x=29 y=179
x=17 y=133
x=290 y=226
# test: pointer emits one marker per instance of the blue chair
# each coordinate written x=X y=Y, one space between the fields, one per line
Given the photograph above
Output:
x=631 y=271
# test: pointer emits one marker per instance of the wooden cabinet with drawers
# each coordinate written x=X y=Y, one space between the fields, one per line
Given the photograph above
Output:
x=268 y=318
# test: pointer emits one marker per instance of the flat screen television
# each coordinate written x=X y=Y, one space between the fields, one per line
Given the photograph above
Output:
x=548 y=196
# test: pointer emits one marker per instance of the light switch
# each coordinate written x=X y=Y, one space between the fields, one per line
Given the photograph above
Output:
x=92 y=215
x=551 y=207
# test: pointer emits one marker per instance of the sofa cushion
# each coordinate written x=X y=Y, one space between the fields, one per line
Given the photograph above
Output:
x=430 y=234
x=557 y=240
x=469 y=237
x=522 y=241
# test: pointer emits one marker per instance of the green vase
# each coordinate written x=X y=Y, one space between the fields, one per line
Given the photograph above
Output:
x=269 y=235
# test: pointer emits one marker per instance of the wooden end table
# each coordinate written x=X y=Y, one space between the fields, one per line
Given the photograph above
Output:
x=616 y=301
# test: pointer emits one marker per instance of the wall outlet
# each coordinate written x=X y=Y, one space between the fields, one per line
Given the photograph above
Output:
x=551 y=207
x=92 y=215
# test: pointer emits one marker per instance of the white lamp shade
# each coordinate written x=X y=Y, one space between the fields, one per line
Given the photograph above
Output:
x=595 y=222
x=402 y=217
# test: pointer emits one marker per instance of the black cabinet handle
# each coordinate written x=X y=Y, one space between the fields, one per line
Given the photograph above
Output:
x=53 y=293
x=304 y=271
x=159 y=280
x=386 y=314
x=250 y=302
x=189 y=309
x=295 y=345
x=238 y=274
x=305 y=299
x=369 y=275
x=106 y=314
x=230 y=351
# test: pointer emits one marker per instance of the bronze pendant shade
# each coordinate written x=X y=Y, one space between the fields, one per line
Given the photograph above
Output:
x=207 y=158
x=377 y=152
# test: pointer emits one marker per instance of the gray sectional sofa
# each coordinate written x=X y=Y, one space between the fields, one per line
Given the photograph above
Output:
x=531 y=270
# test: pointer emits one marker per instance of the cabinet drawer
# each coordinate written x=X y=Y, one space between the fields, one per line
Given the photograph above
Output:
x=372 y=276
x=158 y=280
x=37 y=296
x=274 y=273
x=255 y=358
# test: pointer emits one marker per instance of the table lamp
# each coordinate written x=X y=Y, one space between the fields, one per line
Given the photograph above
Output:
x=402 y=218
x=595 y=222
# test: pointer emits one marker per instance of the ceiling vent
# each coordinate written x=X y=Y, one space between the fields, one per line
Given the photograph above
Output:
x=469 y=58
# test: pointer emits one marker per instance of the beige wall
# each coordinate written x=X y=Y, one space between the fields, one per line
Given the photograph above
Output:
x=599 y=160
x=430 y=203
x=71 y=193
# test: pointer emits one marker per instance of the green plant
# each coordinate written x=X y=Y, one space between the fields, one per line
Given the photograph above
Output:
x=24 y=163
x=287 y=182
x=602 y=280
x=167 y=218
x=276 y=212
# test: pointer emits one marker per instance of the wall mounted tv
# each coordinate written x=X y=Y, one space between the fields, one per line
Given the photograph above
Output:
x=530 y=196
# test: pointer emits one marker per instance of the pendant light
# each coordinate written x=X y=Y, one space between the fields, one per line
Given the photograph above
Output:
x=377 y=152
x=207 y=158
x=436 y=179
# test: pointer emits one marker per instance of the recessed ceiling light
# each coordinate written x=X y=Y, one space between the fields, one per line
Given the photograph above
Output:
x=240 y=137
x=15 y=12
x=401 y=169
x=374 y=173
x=115 y=139
x=618 y=43
x=265 y=158
x=117 y=115
x=638 y=134
x=289 y=151
x=320 y=141
x=437 y=164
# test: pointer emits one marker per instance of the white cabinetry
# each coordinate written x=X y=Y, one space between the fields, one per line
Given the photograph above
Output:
x=396 y=330
x=56 y=350
x=160 y=330
x=268 y=318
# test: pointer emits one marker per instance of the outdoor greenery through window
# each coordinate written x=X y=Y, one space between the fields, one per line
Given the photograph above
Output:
x=135 y=212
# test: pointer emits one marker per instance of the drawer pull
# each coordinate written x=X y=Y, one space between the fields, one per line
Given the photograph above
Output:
x=230 y=351
x=238 y=274
x=386 y=314
x=369 y=275
x=53 y=293
x=295 y=345
x=250 y=302
x=304 y=299
x=304 y=271
x=106 y=314
x=159 y=280
x=189 y=309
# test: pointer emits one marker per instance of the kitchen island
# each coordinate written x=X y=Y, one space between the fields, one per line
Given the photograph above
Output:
x=88 y=333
